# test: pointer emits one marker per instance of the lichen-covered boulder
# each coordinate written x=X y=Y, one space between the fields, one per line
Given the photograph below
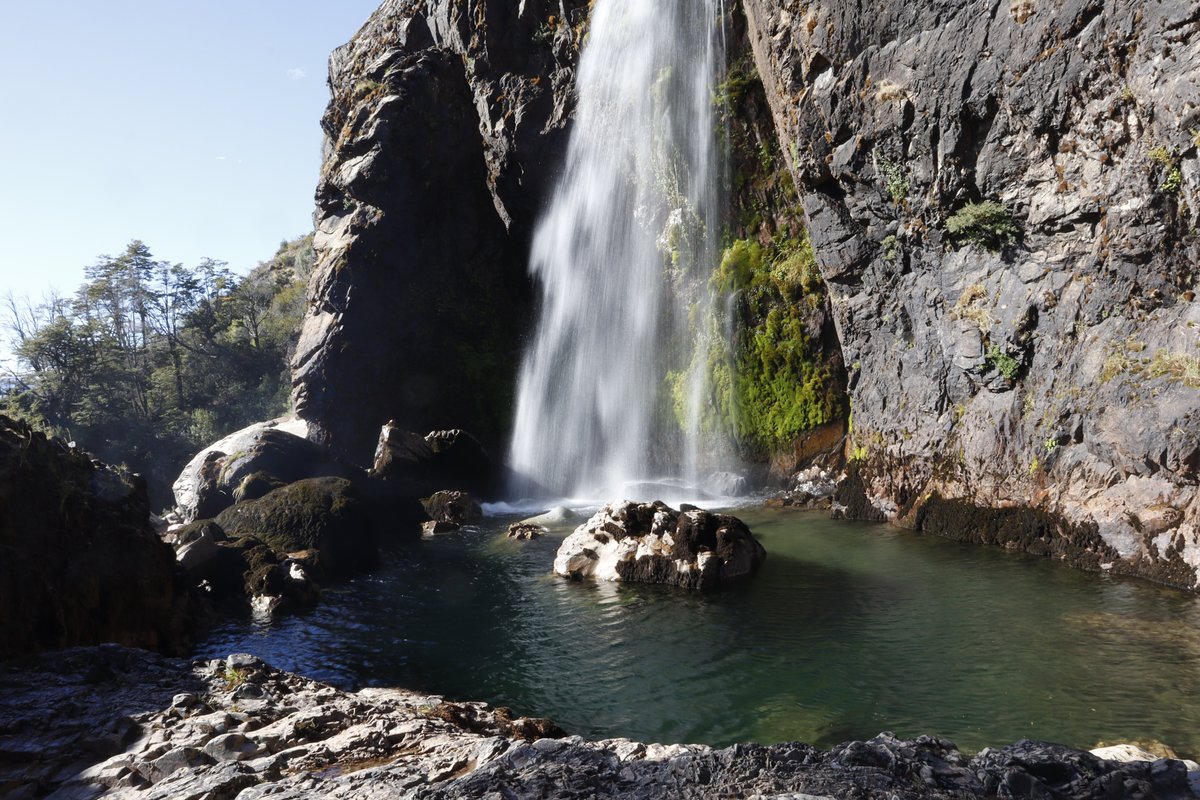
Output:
x=249 y=463
x=321 y=514
x=79 y=562
x=653 y=543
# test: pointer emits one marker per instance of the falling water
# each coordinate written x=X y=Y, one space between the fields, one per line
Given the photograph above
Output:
x=611 y=387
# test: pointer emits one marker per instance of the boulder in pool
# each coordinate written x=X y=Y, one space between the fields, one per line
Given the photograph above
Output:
x=653 y=543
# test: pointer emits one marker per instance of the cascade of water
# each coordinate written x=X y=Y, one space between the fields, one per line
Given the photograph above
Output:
x=611 y=388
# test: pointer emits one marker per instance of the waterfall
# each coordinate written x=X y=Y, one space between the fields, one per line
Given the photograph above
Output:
x=612 y=385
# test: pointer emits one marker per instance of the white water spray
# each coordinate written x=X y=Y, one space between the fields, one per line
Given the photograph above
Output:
x=611 y=388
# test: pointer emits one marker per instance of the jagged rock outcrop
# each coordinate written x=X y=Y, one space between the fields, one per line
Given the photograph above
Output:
x=1003 y=201
x=79 y=562
x=135 y=725
x=653 y=543
x=444 y=131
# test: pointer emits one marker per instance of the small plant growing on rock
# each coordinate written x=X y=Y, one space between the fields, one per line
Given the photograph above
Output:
x=1173 y=179
x=891 y=247
x=1002 y=361
x=234 y=678
x=987 y=224
x=894 y=180
x=968 y=307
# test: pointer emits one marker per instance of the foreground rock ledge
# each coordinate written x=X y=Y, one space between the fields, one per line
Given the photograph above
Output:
x=653 y=543
x=132 y=724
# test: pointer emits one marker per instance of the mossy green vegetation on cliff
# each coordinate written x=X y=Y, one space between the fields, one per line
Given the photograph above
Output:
x=778 y=372
x=780 y=383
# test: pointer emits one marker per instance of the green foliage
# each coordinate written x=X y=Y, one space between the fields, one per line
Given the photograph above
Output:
x=150 y=361
x=987 y=224
x=730 y=92
x=740 y=264
x=1173 y=178
x=1161 y=155
x=891 y=247
x=894 y=180
x=1002 y=361
x=1173 y=181
x=788 y=267
x=783 y=390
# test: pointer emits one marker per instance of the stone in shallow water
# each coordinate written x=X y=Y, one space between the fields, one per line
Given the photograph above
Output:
x=653 y=543
x=525 y=530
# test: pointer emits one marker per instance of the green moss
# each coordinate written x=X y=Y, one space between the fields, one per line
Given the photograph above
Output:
x=740 y=264
x=782 y=388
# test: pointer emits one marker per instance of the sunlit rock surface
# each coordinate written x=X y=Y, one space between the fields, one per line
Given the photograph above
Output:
x=139 y=726
x=446 y=124
x=1059 y=370
x=653 y=543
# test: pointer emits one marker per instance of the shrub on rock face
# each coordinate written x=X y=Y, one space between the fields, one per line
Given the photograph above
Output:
x=988 y=225
x=79 y=563
x=323 y=514
x=653 y=543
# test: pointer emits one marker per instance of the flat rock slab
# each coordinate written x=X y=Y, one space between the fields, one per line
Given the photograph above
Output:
x=132 y=724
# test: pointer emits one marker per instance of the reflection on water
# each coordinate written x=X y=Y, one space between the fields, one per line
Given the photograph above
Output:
x=849 y=629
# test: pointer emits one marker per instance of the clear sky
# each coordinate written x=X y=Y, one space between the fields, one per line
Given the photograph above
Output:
x=189 y=124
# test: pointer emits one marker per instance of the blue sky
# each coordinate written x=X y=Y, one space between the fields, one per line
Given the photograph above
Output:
x=190 y=125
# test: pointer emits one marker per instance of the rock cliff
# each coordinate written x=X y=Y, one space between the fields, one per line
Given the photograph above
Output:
x=967 y=233
x=446 y=123
x=1002 y=200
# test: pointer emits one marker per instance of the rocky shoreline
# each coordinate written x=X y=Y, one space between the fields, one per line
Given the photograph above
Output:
x=126 y=723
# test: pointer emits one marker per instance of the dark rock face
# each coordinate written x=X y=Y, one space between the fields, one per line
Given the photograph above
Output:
x=79 y=563
x=321 y=514
x=1052 y=363
x=653 y=543
x=422 y=465
x=137 y=725
x=446 y=124
x=452 y=506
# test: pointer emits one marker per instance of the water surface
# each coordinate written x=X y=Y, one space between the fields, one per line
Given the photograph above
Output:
x=848 y=629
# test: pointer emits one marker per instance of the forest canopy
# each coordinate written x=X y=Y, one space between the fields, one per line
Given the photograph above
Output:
x=148 y=361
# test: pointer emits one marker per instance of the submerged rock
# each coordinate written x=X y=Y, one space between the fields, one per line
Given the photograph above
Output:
x=557 y=516
x=525 y=531
x=436 y=526
x=653 y=543
x=726 y=484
